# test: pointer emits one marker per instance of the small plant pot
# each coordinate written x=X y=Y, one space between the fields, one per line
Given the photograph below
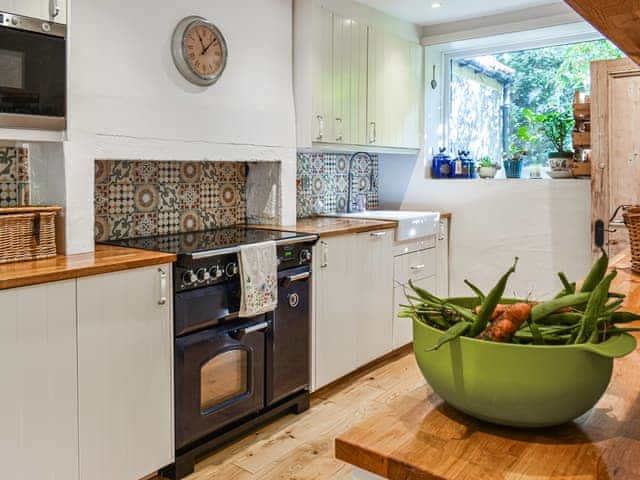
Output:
x=513 y=168
x=560 y=160
x=487 y=172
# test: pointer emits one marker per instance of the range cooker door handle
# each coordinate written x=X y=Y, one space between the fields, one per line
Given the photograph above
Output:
x=297 y=278
x=258 y=327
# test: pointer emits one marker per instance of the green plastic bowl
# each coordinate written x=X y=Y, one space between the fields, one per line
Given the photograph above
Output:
x=517 y=385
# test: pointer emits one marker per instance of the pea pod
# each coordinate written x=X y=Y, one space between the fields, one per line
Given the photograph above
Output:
x=624 y=317
x=476 y=290
x=491 y=302
x=542 y=310
x=423 y=294
x=595 y=306
x=457 y=330
x=596 y=274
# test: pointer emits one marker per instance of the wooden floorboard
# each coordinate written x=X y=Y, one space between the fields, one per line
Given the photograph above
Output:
x=300 y=447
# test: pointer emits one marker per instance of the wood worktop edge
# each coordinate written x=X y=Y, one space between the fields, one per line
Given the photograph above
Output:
x=105 y=259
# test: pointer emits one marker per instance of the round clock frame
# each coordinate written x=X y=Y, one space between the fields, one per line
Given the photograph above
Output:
x=180 y=53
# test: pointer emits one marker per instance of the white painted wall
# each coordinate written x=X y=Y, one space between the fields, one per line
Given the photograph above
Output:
x=544 y=222
x=127 y=100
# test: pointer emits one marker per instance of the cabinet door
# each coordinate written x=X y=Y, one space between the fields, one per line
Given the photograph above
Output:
x=394 y=91
x=373 y=290
x=322 y=120
x=350 y=81
x=336 y=309
x=38 y=405
x=125 y=365
x=52 y=10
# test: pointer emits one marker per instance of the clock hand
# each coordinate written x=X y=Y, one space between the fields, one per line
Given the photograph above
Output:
x=210 y=43
x=201 y=42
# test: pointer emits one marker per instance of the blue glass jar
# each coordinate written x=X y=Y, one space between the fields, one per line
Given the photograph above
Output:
x=441 y=164
x=513 y=168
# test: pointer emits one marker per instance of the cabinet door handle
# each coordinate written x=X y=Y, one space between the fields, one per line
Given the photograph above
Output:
x=340 y=135
x=55 y=8
x=163 y=286
x=324 y=254
x=378 y=234
x=320 y=119
x=372 y=132
x=417 y=267
x=442 y=231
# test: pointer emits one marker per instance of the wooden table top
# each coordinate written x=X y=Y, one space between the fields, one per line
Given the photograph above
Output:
x=334 y=226
x=104 y=260
x=420 y=437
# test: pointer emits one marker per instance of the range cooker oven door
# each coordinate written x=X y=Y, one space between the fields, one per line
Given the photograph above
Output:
x=288 y=342
x=219 y=377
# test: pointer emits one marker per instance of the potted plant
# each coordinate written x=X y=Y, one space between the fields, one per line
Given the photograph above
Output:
x=556 y=126
x=514 y=161
x=487 y=168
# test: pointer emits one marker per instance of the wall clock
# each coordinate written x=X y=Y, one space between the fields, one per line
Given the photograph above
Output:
x=199 y=50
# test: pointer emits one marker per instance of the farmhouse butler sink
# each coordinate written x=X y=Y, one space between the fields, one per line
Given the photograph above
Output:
x=411 y=225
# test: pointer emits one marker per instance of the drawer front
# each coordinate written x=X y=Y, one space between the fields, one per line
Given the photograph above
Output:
x=402 y=248
x=420 y=264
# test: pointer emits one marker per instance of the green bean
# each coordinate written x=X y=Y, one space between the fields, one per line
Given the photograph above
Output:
x=535 y=332
x=423 y=294
x=567 y=318
x=596 y=274
x=613 y=306
x=491 y=302
x=454 y=332
x=476 y=290
x=624 y=317
x=617 y=295
x=542 y=310
x=595 y=306
x=467 y=314
x=569 y=287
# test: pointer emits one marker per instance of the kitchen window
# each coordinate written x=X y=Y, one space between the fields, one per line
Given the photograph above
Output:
x=491 y=94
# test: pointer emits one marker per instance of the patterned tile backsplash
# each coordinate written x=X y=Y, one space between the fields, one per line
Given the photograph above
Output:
x=322 y=182
x=14 y=176
x=143 y=198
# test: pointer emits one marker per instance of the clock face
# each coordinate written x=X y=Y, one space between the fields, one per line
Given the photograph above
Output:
x=199 y=51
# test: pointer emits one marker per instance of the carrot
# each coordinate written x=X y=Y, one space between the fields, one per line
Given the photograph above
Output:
x=500 y=309
x=503 y=328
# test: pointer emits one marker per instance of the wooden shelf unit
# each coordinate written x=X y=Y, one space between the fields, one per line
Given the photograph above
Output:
x=581 y=137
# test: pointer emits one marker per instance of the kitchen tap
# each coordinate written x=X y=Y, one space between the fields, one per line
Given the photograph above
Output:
x=350 y=179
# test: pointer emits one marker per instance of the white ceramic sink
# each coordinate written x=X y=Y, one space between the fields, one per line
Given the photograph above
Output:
x=411 y=225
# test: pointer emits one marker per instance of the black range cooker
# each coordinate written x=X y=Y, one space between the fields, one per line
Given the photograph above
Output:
x=233 y=373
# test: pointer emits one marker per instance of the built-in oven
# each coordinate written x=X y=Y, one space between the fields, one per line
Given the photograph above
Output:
x=32 y=73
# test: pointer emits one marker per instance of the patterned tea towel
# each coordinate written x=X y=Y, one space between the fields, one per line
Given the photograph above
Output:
x=259 y=278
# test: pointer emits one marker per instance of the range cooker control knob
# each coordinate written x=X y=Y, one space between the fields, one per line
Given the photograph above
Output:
x=189 y=278
x=232 y=269
x=203 y=275
x=216 y=273
x=305 y=255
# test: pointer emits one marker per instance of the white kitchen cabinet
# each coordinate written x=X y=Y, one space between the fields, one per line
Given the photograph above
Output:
x=442 y=259
x=394 y=90
x=349 y=81
x=51 y=10
x=353 y=303
x=373 y=263
x=38 y=404
x=125 y=363
x=336 y=308
x=322 y=118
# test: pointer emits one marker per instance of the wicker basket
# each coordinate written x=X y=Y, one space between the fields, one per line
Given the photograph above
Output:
x=632 y=221
x=27 y=233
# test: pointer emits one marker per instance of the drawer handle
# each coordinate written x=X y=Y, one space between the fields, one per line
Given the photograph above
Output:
x=378 y=234
x=417 y=267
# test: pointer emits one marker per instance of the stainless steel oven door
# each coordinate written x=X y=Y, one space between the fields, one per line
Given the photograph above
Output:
x=32 y=73
x=219 y=377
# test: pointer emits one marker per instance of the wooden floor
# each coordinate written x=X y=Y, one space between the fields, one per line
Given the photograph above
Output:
x=300 y=447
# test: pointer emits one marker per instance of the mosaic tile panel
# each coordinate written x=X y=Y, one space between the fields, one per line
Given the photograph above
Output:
x=15 y=186
x=322 y=182
x=144 y=198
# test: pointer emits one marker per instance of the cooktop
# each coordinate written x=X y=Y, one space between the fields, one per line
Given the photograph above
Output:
x=215 y=242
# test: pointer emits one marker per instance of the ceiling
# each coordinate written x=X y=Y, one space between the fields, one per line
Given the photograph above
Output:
x=421 y=12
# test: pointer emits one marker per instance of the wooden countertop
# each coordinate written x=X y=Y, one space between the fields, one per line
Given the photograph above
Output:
x=418 y=436
x=104 y=260
x=334 y=226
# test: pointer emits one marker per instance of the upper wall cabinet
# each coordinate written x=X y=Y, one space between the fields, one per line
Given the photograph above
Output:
x=51 y=10
x=354 y=85
x=394 y=99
